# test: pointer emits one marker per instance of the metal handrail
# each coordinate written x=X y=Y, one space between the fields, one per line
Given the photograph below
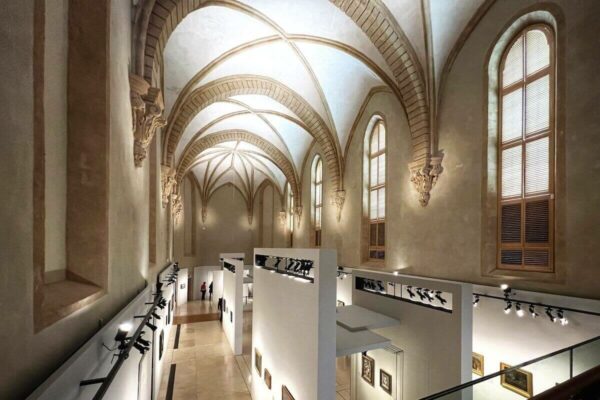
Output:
x=504 y=371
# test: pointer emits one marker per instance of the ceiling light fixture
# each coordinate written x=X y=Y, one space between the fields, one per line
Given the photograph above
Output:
x=476 y=300
x=550 y=315
x=561 y=317
x=532 y=311
x=508 y=307
x=520 y=312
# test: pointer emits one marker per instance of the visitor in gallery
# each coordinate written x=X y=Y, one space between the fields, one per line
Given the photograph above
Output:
x=203 y=290
x=210 y=291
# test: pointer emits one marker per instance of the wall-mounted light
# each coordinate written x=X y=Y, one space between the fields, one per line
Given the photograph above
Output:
x=551 y=317
x=561 y=317
x=155 y=315
x=123 y=331
x=532 y=311
x=520 y=312
x=476 y=300
x=508 y=307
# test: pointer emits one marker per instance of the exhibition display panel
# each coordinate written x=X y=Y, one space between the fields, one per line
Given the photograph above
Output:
x=233 y=305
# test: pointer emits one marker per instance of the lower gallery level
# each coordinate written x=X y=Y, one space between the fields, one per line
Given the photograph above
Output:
x=309 y=200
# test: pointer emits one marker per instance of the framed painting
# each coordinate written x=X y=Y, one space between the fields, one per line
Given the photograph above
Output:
x=268 y=379
x=258 y=362
x=367 y=370
x=285 y=394
x=518 y=381
x=385 y=381
x=477 y=364
x=161 y=344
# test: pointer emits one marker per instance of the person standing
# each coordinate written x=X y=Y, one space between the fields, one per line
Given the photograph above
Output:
x=210 y=291
x=203 y=290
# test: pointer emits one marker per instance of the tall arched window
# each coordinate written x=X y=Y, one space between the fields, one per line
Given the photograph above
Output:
x=317 y=179
x=526 y=151
x=377 y=192
x=290 y=212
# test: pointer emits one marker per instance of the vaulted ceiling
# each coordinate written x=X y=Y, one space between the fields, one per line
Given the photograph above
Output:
x=291 y=73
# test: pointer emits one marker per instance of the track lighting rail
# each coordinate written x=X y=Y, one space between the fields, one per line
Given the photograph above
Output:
x=541 y=305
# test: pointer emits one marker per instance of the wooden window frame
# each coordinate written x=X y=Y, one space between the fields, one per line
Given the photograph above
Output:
x=376 y=188
x=318 y=206
x=522 y=141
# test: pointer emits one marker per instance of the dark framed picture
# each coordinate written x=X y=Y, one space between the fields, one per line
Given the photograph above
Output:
x=367 y=370
x=258 y=362
x=518 y=381
x=385 y=381
x=268 y=378
x=230 y=316
x=161 y=344
x=477 y=364
x=285 y=394
x=340 y=303
x=169 y=313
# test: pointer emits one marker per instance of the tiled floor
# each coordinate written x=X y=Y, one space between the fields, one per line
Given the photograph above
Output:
x=206 y=368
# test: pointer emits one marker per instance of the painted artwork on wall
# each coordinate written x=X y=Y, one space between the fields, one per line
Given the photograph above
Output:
x=161 y=344
x=367 y=371
x=477 y=364
x=385 y=381
x=285 y=394
x=258 y=362
x=518 y=381
x=268 y=379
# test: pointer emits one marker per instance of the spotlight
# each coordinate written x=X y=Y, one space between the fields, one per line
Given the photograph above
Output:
x=508 y=307
x=561 y=317
x=520 y=313
x=410 y=291
x=438 y=295
x=142 y=349
x=532 y=311
x=143 y=342
x=396 y=273
x=155 y=315
x=504 y=287
x=549 y=314
x=476 y=301
x=151 y=326
x=123 y=331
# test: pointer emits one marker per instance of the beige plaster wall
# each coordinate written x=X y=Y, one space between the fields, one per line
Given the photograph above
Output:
x=32 y=357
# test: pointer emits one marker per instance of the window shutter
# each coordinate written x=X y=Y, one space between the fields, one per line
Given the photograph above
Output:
x=511 y=223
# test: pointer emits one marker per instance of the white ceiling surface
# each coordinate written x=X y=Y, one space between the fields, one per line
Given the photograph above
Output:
x=341 y=79
x=448 y=20
x=241 y=164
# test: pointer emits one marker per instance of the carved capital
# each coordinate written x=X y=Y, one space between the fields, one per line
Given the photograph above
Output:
x=176 y=206
x=146 y=114
x=298 y=212
x=338 y=199
x=424 y=175
x=168 y=183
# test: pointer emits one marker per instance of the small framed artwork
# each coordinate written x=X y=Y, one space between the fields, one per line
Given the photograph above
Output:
x=518 y=381
x=340 y=303
x=258 y=362
x=477 y=364
x=268 y=378
x=230 y=316
x=285 y=394
x=182 y=286
x=169 y=313
x=161 y=344
x=385 y=381
x=368 y=366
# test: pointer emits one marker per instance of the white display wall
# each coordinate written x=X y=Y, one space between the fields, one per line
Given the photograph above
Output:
x=233 y=307
x=294 y=328
x=435 y=338
x=217 y=286
x=182 y=286
x=511 y=339
x=390 y=361
x=93 y=360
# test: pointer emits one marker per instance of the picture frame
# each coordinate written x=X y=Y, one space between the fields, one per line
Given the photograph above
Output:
x=285 y=394
x=477 y=364
x=340 y=303
x=268 y=379
x=518 y=381
x=258 y=362
x=367 y=369
x=231 y=316
x=385 y=381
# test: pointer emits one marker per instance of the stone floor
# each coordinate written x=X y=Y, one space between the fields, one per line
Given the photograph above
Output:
x=196 y=307
x=206 y=368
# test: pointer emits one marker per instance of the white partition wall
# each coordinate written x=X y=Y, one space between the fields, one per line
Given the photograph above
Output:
x=294 y=324
x=434 y=333
x=233 y=307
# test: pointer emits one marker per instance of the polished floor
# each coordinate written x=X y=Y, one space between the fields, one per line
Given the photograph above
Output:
x=205 y=367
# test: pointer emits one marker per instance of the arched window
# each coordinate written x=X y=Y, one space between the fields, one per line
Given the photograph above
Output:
x=290 y=212
x=526 y=151
x=377 y=192
x=317 y=180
